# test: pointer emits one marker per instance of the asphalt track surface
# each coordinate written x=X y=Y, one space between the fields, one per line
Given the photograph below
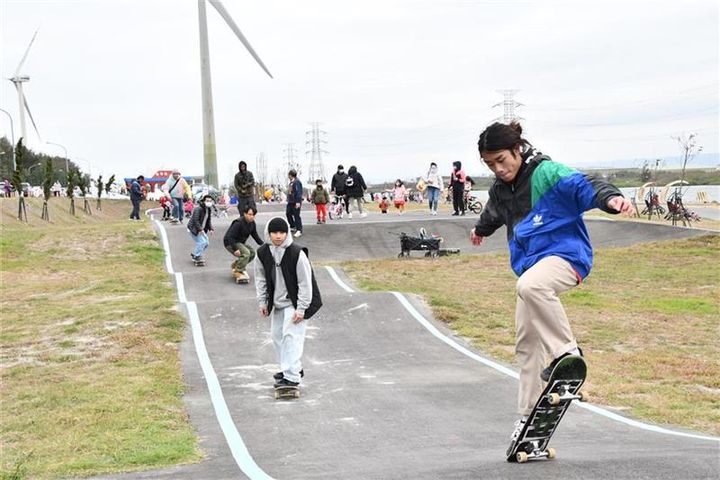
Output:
x=384 y=397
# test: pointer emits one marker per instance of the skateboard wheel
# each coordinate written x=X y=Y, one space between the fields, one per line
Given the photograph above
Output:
x=521 y=457
x=277 y=395
x=584 y=397
x=553 y=399
x=551 y=453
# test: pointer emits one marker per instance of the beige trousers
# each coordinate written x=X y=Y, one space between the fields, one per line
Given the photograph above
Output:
x=543 y=329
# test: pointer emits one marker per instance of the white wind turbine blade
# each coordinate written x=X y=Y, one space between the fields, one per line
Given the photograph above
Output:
x=17 y=72
x=27 y=108
x=231 y=23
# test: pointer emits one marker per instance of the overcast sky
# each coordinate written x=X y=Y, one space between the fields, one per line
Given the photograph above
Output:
x=396 y=84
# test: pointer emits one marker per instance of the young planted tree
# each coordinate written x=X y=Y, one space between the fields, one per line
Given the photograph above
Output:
x=84 y=184
x=100 y=185
x=109 y=183
x=73 y=175
x=690 y=148
x=17 y=179
x=47 y=185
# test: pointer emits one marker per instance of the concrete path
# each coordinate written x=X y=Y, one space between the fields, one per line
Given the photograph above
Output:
x=383 y=397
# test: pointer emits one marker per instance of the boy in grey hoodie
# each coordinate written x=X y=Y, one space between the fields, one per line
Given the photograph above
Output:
x=286 y=291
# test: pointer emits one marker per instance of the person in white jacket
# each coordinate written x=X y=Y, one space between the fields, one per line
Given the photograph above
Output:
x=433 y=183
x=286 y=291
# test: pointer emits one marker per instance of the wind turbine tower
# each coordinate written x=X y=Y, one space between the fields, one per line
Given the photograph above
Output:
x=209 y=152
x=316 y=169
x=261 y=168
x=23 y=107
x=509 y=105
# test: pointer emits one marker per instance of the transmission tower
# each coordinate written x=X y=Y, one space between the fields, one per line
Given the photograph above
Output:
x=316 y=170
x=291 y=159
x=509 y=104
x=261 y=168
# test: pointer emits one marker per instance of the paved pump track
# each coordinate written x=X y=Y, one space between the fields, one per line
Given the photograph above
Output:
x=389 y=392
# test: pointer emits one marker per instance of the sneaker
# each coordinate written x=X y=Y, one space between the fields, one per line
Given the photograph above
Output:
x=319 y=222
x=284 y=382
x=279 y=375
x=298 y=234
x=545 y=374
x=455 y=214
x=363 y=215
x=519 y=425
x=192 y=255
x=349 y=215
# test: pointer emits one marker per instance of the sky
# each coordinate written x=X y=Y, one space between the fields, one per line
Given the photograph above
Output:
x=395 y=84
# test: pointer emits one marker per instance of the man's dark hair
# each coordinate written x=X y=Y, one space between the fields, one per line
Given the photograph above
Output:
x=292 y=173
x=499 y=136
x=249 y=207
x=140 y=178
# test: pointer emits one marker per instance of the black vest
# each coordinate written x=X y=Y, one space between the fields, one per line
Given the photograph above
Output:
x=288 y=266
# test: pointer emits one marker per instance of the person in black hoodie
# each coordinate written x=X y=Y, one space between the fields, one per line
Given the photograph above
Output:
x=200 y=225
x=457 y=185
x=337 y=187
x=245 y=187
x=355 y=189
x=240 y=230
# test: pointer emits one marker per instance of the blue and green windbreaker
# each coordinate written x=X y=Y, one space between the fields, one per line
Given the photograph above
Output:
x=543 y=210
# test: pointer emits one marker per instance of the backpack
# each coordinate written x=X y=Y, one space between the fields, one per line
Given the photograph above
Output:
x=349 y=182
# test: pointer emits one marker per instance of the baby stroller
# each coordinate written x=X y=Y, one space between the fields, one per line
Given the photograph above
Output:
x=426 y=243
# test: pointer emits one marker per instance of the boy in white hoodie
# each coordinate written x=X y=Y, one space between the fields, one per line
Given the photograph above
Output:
x=286 y=291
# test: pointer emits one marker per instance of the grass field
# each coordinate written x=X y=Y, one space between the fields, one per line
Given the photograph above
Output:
x=648 y=319
x=91 y=379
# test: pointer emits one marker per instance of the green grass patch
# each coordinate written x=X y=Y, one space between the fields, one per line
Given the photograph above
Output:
x=647 y=318
x=90 y=364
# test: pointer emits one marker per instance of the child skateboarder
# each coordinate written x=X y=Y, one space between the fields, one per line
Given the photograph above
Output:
x=239 y=231
x=199 y=226
x=541 y=203
x=286 y=291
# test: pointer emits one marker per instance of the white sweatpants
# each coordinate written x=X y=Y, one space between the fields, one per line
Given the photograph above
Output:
x=289 y=341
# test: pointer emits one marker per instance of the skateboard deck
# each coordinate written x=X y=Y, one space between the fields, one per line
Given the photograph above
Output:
x=562 y=388
x=287 y=392
x=199 y=263
x=241 y=277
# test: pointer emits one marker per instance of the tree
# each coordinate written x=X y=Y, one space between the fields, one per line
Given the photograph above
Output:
x=645 y=174
x=72 y=180
x=17 y=179
x=109 y=183
x=47 y=184
x=100 y=185
x=690 y=148
x=83 y=184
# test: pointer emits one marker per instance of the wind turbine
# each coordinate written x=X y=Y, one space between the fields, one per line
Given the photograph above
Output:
x=211 y=176
x=18 y=81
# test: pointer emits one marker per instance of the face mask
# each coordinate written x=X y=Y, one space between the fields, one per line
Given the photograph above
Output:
x=208 y=204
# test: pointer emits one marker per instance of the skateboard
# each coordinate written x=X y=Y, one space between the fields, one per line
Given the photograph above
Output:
x=562 y=388
x=241 y=277
x=199 y=262
x=287 y=392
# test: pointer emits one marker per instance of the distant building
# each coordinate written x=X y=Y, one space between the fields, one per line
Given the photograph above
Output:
x=161 y=176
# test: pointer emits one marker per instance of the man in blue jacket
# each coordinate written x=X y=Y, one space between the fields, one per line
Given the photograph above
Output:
x=136 y=196
x=294 y=202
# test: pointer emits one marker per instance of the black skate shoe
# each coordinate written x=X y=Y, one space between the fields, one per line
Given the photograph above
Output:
x=545 y=374
x=279 y=375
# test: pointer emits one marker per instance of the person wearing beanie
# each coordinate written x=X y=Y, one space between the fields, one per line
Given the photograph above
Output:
x=355 y=190
x=337 y=188
x=457 y=186
x=244 y=187
x=199 y=225
x=541 y=204
x=287 y=292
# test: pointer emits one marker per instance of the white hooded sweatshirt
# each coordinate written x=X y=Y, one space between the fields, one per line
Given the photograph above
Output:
x=303 y=271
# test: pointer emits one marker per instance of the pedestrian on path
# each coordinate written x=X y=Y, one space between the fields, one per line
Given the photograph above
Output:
x=294 y=203
x=320 y=198
x=245 y=187
x=338 y=188
x=136 y=196
x=200 y=225
x=457 y=186
x=355 y=190
x=179 y=192
x=433 y=185
x=286 y=291
x=239 y=231
x=399 y=194
x=541 y=203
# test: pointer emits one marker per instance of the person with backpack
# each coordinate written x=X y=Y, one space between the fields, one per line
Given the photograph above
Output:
x=294 y=203
x=245 y=187
x=320 y=198
x=179 y=192
x=200 y=225
x=541 y=203
x=355 y=190
x=287 y=292
x=136 y=196
x=337 y=188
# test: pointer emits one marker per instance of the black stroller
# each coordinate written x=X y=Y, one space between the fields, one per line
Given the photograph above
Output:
x=425 y=243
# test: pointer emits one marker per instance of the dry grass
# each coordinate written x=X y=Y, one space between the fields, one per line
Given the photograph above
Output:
x=647 y=318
